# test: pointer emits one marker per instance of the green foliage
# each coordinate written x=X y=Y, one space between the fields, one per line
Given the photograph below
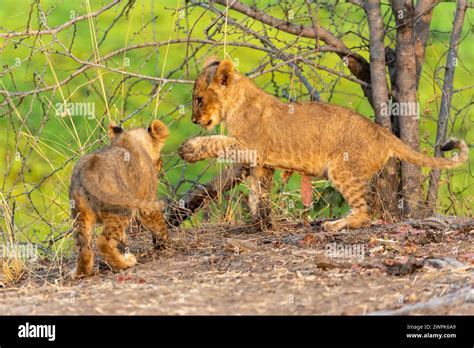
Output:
x=37 y=151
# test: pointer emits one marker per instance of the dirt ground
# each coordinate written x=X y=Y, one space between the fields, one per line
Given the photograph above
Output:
x=405 y=268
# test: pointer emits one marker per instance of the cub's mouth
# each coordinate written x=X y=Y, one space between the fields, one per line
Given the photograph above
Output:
x=208 y=124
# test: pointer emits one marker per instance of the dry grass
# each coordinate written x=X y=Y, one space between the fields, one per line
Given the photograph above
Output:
x=229 y=269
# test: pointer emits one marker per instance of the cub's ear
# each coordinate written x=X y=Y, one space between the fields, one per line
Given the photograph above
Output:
x=225 y=73
x=114 y=130
x=158 y=130
x=210 y=61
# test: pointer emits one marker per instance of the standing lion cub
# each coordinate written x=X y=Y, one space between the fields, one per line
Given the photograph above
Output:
x=314 y=139
x=108 y=185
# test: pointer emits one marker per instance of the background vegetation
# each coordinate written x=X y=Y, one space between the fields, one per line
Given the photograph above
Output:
x=38 y=148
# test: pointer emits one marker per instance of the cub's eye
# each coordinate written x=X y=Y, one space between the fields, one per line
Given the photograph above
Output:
x=199 y=100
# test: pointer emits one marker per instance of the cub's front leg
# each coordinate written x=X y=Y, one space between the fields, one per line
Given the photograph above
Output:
x=200 y=148
x=261 y=183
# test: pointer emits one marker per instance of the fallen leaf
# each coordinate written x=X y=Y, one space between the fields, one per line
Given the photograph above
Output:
x=468 y=257
x=412 y=298
x=377 y=249
x=373 y=242
x=402 y=229
x=307 y=240
x=410 y=248
x=121 y=278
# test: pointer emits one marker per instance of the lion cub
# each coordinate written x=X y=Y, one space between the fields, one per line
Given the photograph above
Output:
x=313 y=139
x=109 y=185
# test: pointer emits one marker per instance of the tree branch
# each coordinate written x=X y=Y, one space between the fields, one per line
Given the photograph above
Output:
x=356 y=63
x=423 y=13
x=451 y=62
x=61 y=27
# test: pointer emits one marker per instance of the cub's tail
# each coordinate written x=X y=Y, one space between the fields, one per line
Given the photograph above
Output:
x=406 y=153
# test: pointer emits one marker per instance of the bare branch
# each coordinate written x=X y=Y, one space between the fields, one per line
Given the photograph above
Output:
x=423 y=13
x=357 y=2
x=355 y=62
x=451 y=62
x=61 y=27
x=87 y=65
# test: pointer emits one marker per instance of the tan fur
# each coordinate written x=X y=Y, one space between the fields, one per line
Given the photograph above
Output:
x=108 y=185
x=315 y=139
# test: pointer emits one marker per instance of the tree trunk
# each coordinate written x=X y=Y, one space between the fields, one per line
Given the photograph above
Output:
x=384 y=185
x=405 y=94
x=451 y=62
x=424 y=12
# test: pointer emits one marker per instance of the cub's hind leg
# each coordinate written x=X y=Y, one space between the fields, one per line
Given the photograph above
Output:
x=354 y=190
x=108 y=241
x=156 y=223
x=83 y=229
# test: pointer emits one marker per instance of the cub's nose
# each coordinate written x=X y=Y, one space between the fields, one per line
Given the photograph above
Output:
x=195 y=120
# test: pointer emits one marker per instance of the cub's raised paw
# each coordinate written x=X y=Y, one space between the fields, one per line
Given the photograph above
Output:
x=190 y=151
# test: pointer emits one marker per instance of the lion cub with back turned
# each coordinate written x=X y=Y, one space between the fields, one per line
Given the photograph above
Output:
x=314 y=139
x=108 y=185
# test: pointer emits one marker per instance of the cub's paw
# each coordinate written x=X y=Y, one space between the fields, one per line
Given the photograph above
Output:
x=130 y=260
x=190 y=151
x=72 y=275
x=159 y=245
x=334 y=226
x=160 y=241
x=76 y=274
